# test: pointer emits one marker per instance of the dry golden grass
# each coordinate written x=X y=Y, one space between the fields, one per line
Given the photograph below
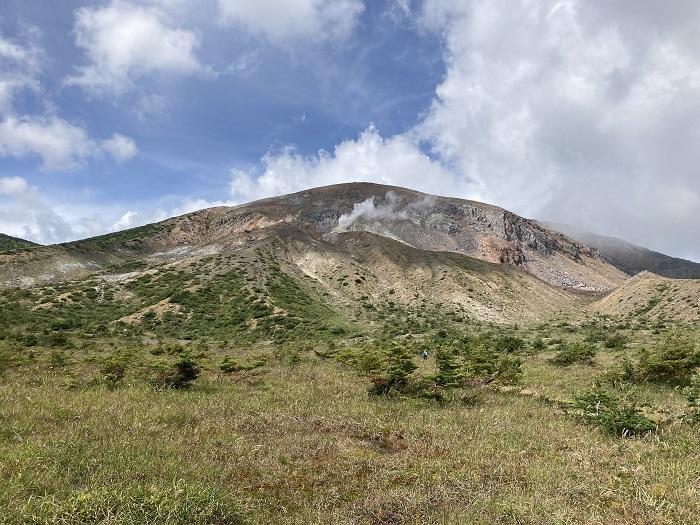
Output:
x=306 y=444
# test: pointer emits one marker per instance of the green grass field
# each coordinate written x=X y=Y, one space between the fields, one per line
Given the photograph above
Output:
x=300 y=440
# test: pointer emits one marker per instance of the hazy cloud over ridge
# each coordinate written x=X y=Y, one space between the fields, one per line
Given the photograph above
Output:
x=581 y=111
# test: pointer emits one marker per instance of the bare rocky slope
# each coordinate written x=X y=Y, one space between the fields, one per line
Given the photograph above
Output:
x=629 y=257
x=349 y=245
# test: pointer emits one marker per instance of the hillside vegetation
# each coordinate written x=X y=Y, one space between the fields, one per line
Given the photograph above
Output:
x=288 y=362
x=8 y=243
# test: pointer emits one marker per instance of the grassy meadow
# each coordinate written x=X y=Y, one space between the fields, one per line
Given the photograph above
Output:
x=97 y=432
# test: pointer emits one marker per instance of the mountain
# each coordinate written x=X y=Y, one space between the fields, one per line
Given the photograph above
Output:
x=327 y=215
x=8 y=242
x=629 y=257
x=329 y=258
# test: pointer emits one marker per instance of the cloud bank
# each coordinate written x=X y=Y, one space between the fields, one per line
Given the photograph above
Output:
x=370 y=157
x=584 y=112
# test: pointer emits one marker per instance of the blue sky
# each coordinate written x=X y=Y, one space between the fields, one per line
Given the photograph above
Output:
x=115 y=113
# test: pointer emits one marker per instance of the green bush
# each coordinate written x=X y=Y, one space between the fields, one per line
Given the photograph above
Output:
x=538 y=344
x=571 y=353
x=616 y=341
x=113 y=370
x=30 y=340
x=692 y=393
x=229 y=365
x=509 y=344
x=480 y=361
x=289 y=354
x=58 y=359
x=673 y=360
x=622 y=373
x=367 y=360
x=615 y=416
x=396 y=373
x=461 y=375
x=508 y=370
x=57 y=340
x=178 y=375
x=450 y=371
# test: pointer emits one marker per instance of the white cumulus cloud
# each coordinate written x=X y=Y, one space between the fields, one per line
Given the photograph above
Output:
x=585 y=112
x=59 y=144
x=124 y=42
x=371 y=157
x=25 y=213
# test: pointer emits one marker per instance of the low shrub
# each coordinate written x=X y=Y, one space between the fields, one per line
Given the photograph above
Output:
x=614 y=415
x=508 y=370
x=288 y=354
x=673 y=360
x=538 y=344
x=58 y=359
x=113 y=370
x=464 y=395
x=178 y=375
x=396 y=372
x=229 y=365
x=450 y=371
x=622 y=373
x=573 y=353
x=692 y=393
x=367 y=360
x=616 y=341
x=480 y=361
x=57 y=340
x=509 y=344
x=463 y=372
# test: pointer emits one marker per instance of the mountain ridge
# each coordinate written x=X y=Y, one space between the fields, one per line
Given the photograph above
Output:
x=629 y=257
x=349 y=249
x=423 y=221
x=8 y=242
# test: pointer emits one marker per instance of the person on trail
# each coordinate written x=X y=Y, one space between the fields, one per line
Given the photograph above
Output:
x=424 y=354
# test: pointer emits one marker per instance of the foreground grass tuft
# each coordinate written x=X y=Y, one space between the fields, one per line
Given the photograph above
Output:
x=179 y=504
